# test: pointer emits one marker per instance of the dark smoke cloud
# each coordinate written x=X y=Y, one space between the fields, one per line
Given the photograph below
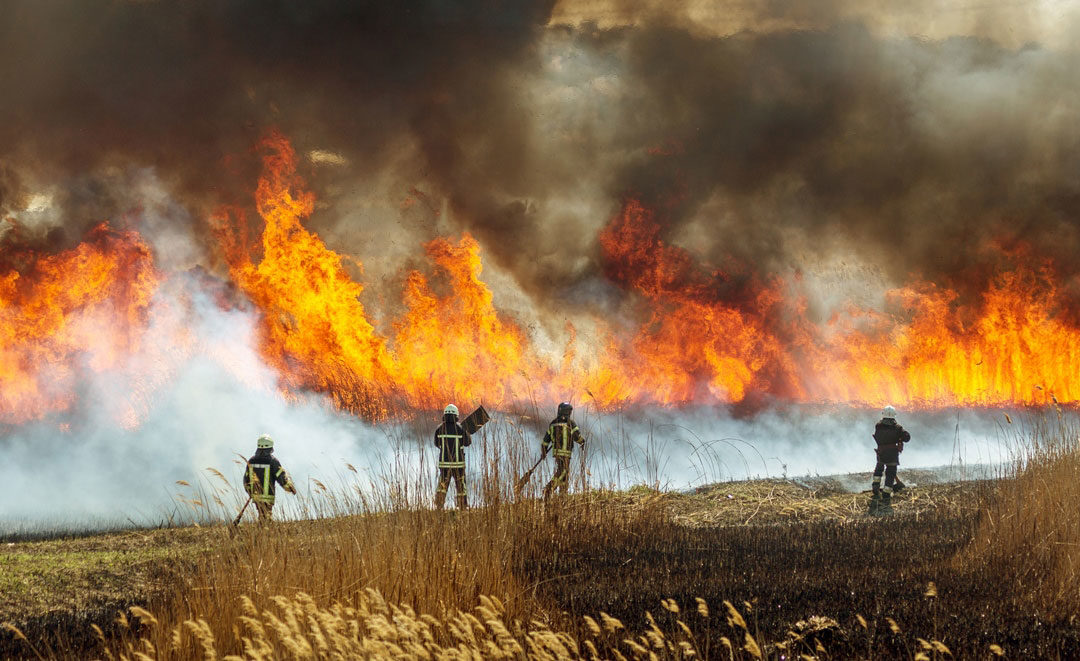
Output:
x=917 y=156
x=13 y=195
x=777 y=137
x=189 y=87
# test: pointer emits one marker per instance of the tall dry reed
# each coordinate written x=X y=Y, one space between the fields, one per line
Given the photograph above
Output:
x=1029 y=530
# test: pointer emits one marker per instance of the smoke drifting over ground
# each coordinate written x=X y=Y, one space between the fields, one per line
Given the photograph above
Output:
x=847 y=147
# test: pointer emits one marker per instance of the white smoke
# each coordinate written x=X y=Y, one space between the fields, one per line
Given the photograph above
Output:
x=679 y=448
x=207 y=400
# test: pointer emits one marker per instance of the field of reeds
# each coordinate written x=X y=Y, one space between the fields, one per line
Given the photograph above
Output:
x=748 y=569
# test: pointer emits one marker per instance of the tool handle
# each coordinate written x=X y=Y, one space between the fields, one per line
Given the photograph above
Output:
x=243 y=509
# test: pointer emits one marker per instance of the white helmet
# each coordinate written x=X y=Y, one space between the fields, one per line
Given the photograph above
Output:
x=888 y=412
x=450 y=410
x=265 y=442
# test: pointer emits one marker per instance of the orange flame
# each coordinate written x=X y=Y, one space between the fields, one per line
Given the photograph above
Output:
x=707 y=336
x=693 y=347
x=317 y=333
x=84 y=308
x=704 y=335
x=1014 y=351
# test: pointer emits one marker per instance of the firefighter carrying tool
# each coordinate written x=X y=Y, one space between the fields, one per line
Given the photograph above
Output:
x=451 y=439
x=262 y=473
x=890 y=437
x=561 y=435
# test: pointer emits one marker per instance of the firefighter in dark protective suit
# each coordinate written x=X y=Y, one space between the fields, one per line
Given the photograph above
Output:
x=451 y=439
x=890 y=437
x=262 y=473
x=561 y=435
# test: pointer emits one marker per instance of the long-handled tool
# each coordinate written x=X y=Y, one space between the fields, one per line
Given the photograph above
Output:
x=243 y=509
x=519 y=486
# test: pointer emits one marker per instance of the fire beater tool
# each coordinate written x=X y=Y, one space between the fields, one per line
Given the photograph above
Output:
x=243 y=509
x=476 y=420
x=520 y=484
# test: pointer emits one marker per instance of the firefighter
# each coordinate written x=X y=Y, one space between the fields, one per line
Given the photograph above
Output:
x=890 y=437
x=261 y=475
x=561 y=435
x=451 y=439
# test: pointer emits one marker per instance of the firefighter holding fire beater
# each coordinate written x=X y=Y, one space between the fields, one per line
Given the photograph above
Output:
x=261 y=475
x=451 y=439
x=561 y=435
x=890 y=437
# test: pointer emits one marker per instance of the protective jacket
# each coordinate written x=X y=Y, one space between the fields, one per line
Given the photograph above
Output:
x=889 y=434
x=451 y=439
x=261 y=475
x=561 y=435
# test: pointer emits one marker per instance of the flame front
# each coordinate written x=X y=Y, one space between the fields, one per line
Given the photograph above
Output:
x=1015 y=351
x=705 y=336
x=702 y=335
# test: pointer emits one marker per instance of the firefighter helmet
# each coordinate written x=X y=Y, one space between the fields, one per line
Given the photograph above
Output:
x=265 y=442
x=565 y=408
x=888 y=412
x=450 y=410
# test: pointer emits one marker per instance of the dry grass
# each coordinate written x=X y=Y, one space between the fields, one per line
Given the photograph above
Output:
x=299 y=627
x=765 y=569
x=1029 y=532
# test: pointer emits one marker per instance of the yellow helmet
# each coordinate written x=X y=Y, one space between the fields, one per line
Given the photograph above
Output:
x=265 y=442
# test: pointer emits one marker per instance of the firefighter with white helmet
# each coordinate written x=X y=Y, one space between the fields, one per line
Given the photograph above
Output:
x=890 y=438
x=451 y=439
x=261 y=475
x=561 y=435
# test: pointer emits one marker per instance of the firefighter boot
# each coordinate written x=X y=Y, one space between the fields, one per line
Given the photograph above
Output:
x=898 y=485
x=875 y=502
x=885 y=506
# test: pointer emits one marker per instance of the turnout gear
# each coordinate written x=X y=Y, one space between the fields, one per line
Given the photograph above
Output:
x=890 y=437
x=262 y=475
x=451 y=439
x=561 y=435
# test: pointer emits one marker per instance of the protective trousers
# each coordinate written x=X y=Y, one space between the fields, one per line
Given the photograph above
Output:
x=888 y=458
x=458 y=475
x=561 y=477
x=266 y=511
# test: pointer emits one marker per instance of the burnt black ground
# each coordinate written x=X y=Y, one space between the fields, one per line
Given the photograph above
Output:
x=877 y=567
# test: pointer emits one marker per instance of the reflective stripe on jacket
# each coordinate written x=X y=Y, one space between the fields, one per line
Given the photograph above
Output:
x=451 y=439
x=561 y=435
x=261 y=476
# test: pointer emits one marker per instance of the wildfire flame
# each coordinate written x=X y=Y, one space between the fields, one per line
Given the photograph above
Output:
x=316 y=330
x=85 y=308
x=705 y=335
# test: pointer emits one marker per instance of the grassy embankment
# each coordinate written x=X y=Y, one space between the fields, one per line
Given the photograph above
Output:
x=956 y=567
